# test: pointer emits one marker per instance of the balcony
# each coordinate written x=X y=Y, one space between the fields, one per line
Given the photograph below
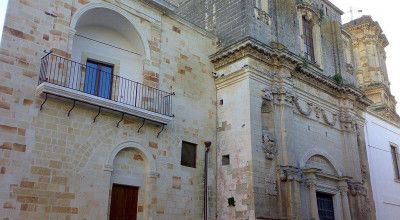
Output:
x=97 y=85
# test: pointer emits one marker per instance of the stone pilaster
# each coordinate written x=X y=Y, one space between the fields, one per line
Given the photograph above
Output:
x=310 y=181
x=343 y=188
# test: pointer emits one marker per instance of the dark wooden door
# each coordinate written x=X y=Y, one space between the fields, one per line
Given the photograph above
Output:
x=124 y=201
x=325 y=206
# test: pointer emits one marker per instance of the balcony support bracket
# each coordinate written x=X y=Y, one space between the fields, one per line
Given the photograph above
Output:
x=162 y=129
x=144 y=120
x=122 y=118
x=73 y=106
x=98 y=113
x=45 y=100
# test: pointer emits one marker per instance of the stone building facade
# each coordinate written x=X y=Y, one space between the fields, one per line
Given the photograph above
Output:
x=126 y=85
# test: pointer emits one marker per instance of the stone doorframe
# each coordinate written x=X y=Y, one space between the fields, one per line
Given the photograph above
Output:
x=149 y=182
x=338 y=188
x=335 y=184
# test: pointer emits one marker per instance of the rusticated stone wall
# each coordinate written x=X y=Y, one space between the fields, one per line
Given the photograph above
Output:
x=57 y=167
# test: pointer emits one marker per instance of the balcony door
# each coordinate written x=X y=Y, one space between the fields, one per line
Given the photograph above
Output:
x=98 y=79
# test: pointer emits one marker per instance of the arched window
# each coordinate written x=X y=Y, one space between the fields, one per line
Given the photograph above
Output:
x=308 y=40
x=310 y=34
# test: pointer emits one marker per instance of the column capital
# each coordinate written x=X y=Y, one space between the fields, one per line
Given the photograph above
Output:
x=289 y=173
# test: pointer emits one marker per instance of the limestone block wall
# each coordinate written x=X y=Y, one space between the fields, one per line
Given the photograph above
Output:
x=55 y=166
x=235 y=179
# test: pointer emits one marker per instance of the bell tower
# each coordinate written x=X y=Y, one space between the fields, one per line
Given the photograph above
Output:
x=369 y=44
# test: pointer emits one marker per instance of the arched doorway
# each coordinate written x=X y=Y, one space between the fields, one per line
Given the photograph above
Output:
x=132 y=181
x=326 y=188
x=128 y=179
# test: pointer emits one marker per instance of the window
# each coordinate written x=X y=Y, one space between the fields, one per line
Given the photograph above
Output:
x=325 y=206
x=308 y=40
x=395 y=158
x=225 y=160
x=188 y=154
x=98 y=79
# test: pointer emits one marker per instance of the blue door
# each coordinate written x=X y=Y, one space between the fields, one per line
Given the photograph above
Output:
x=98 y=79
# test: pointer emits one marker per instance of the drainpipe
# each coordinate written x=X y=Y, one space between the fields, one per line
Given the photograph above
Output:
x=207 y=145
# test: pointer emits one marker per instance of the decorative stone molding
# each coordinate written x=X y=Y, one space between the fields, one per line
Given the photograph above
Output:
x=329 y=122
x=310 y=183
x=282 y=58
x=317 y=151
x=290 y=173
x=282 y=95
x=269 y=145
x=357 y=188
x=267 y=94
x=262 y=15
x=347 y=122
x=310 y=178
x=319 y=112
x=151 y=163
x=306 y=112
x=249 y=47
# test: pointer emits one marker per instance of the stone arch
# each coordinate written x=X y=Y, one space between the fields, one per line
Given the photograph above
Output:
x=103 y=5
x=151 y=163
x=145 y=181
x=329 y=159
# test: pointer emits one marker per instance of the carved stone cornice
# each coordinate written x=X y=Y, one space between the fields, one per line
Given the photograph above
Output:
x=280 y=57
x=367 y=23
x=324 y=83
x=250 y=47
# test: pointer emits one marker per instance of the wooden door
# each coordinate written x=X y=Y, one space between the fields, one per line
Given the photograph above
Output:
x=124 y=201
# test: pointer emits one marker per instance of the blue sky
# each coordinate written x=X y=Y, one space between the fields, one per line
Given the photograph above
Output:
x=384 y=11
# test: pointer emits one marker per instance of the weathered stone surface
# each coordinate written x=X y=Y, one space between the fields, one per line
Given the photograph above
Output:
x=287 y=127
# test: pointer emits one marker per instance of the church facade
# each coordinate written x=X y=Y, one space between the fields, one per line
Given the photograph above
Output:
x=202 y=109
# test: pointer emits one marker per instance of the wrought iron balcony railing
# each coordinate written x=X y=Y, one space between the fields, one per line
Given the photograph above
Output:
x=99 y=81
